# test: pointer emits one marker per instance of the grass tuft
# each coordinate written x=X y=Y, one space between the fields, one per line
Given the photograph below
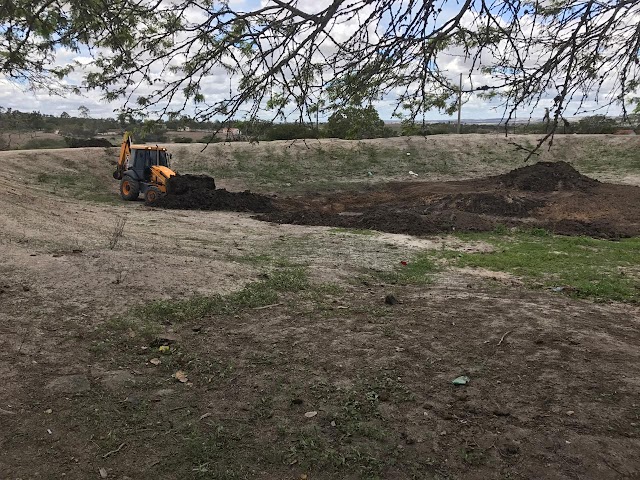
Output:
x=601 y=270
x=253 y=295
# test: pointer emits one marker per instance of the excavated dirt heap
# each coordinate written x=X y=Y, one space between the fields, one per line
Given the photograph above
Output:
x=486 y=203
x=198 y=192
x=181 y=184
x=547 y=177
x=550 y=195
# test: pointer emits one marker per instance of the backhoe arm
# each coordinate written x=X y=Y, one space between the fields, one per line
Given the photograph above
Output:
x=125 y=152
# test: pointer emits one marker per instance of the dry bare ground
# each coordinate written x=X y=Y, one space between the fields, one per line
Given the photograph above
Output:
x=293 y=363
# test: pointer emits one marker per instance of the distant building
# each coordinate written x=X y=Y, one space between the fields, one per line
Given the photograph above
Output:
x=230 y=133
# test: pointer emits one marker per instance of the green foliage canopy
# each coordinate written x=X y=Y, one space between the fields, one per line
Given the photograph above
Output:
x=355 y=123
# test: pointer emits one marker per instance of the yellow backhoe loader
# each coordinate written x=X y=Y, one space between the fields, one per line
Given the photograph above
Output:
x=142 y=169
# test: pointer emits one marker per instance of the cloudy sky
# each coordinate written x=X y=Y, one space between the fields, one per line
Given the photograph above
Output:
x=218 y=85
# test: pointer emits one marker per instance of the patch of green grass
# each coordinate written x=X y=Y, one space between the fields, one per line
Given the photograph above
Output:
x=363 y=443
x=419 y=270
x=83 y=186
x=601 y=270
x=597 y=157
x=43 y=143
x=146 y=319
x=210 y=455
x=60 y=179
x=312 y=451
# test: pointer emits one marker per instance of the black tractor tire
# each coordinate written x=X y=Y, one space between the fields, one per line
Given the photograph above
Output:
x=151 y=195
x=129 y=188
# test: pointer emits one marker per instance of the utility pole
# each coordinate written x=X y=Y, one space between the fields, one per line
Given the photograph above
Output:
x=459 y=103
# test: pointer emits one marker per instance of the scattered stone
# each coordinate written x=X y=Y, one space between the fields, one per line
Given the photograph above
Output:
x=501 y=412
x=391 y=300
x=155 y=361
x=103 y=473
x=509 y=446
x=570 y=412
x=132 y=400
x=311 y=414
x=461 y=380
x=408 y=439
x=164 y=339
x=69 y=384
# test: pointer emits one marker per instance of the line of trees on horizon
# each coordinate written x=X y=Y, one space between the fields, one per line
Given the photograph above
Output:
x=352 y=123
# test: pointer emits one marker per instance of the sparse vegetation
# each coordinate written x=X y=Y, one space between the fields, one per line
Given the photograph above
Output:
x=117 y=232
x=43 y=143
x=601 y=270
x=253 y=295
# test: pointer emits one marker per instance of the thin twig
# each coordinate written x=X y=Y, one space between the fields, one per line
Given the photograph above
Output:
x=268 y=306
x=7 y=412
x=504 y=336
x=114 y=451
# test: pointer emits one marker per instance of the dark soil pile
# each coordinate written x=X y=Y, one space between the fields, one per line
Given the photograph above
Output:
x=547 y=177
x=198 y=192
x=181 y=184
x=87 y=142
x=546 y=195
x=486 y=203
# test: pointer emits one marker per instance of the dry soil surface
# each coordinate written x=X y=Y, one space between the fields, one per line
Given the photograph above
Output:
x=553 y=389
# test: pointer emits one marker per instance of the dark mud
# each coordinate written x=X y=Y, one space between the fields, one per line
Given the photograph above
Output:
x=198 y=192
x=547 y=177
x=549 y=195
x=182 y=184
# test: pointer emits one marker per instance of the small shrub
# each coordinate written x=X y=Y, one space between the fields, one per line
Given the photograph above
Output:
x=182 y=140
x=501 y=229
x=290 y=131
x=117 y=232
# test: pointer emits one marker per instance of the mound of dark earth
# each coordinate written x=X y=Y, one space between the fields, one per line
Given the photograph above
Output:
x=487 y=203
x=181 y=184
x=198 y=192
x=547 y=177
x=546 y=195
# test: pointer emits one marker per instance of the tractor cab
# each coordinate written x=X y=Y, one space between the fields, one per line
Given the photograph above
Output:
x=143 y=157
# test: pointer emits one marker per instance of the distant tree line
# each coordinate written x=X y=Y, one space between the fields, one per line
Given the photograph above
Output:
x=351 y=123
